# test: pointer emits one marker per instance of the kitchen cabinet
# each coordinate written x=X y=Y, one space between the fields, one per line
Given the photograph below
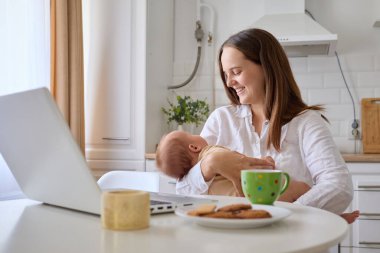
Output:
x=364 y=233
x=130 y=61
x=115 y=85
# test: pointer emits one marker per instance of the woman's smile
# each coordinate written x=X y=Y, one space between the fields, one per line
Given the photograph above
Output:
x=240 y=91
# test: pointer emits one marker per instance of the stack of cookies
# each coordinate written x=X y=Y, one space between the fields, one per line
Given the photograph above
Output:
x=234 y=211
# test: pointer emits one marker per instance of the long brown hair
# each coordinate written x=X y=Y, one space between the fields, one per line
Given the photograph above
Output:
x=283 y=99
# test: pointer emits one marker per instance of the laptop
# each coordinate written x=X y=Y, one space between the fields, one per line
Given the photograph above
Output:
x=47 y=163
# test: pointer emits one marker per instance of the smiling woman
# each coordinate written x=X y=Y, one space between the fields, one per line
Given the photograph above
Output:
x=24 y=59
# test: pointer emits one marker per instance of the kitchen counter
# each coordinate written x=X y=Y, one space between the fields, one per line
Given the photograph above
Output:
x=150 y=156
x=361 y=158
x=351 y=158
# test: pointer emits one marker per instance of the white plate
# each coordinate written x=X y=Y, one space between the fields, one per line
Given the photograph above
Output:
x=278 y=213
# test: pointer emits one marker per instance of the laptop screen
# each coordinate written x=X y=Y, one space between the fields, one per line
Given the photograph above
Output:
x=39 y=149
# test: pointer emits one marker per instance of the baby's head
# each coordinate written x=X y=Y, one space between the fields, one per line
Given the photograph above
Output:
x=178 y=152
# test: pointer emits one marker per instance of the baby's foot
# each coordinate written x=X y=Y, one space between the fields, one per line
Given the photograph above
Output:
x=350 y=217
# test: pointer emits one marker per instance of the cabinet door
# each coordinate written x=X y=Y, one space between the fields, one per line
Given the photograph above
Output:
x=363 y=235
x=108 y=83
x=368 y=233
x=115 y=80
x=358 y=250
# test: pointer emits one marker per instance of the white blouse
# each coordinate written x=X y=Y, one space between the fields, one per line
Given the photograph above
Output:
x=308 y=154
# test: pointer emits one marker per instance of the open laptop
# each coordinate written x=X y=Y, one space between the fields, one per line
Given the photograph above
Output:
x=47 y=163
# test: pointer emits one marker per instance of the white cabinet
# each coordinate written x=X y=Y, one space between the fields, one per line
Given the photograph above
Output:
x=115 y=84
x=358 y=250
x=129 y=61
x=364 y=233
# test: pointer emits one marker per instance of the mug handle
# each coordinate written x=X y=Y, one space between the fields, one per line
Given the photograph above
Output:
x=286 y=184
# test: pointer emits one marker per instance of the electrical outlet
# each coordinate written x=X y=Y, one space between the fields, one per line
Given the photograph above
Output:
x=354 y=133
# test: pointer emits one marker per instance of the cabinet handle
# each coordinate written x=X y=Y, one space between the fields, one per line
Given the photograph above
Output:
x=370 y=214
x=115 y=139
x=369 y=186
x=172 y=182
x=370 y=243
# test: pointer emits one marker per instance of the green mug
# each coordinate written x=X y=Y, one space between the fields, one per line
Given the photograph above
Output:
x=264 y=186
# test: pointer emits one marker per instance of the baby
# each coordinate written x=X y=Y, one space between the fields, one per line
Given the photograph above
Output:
x=179 y=151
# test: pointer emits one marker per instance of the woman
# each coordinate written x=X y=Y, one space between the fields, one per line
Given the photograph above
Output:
x=267 y=117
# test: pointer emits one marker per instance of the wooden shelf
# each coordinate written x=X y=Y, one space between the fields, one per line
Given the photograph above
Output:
x=150 y=156
x=362 y=158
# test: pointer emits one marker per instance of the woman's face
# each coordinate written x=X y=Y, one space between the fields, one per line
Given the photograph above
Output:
x=244 y=76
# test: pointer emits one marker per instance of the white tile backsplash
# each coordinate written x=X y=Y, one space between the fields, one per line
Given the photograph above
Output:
x=320 y=64
x=335 y=80
x=348 y=146
x=357 y=95
x=324 y=96
x=339 y=111
x=377 y=91
x=305 y=81
x=377 y=62
x=369 y=79
x=355 y=63
x=335 y=127
x=298 y=65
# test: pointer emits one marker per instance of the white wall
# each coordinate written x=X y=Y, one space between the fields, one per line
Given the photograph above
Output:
x=318 y=77
x=159 y=67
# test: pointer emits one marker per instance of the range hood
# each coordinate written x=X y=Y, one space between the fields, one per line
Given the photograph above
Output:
x=299 y=34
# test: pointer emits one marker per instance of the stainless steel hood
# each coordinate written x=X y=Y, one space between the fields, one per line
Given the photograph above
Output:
x=299 y=34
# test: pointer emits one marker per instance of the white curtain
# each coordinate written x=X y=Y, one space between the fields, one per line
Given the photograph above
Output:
x=24 y=59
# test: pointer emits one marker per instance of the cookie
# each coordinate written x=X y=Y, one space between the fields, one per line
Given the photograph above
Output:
x=220 y=214
x=202 y=210
x=252 y=214
x=234 y=211
x=235 y=207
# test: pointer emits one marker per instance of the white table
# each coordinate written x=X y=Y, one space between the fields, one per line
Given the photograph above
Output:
x=28 y=226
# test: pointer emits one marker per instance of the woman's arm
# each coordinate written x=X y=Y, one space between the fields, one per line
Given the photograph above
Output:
x=229 y=164
x=295 y=190
x=332 y=188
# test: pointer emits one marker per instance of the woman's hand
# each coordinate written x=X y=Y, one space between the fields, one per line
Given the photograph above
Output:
x=295 y=190
x=229 y=164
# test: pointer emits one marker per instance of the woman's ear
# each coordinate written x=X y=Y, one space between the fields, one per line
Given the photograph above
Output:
x=194 y=148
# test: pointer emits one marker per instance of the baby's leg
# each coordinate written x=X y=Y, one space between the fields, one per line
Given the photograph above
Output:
x=350 y=217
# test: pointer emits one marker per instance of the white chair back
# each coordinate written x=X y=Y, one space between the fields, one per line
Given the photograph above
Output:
x=136 y=180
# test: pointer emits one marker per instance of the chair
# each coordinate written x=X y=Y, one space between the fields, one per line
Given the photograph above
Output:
x=136 y=180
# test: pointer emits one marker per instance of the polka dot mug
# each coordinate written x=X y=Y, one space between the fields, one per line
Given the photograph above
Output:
x=264 y=186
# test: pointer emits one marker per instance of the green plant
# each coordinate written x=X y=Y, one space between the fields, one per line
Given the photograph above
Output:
x=187 y=110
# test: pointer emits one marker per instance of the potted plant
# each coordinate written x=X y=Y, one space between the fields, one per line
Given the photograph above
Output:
x=186 y=111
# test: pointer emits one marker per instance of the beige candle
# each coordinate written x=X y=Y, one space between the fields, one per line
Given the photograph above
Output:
x=125 y=210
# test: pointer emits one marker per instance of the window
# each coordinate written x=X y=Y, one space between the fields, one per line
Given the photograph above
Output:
x=24 y=58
